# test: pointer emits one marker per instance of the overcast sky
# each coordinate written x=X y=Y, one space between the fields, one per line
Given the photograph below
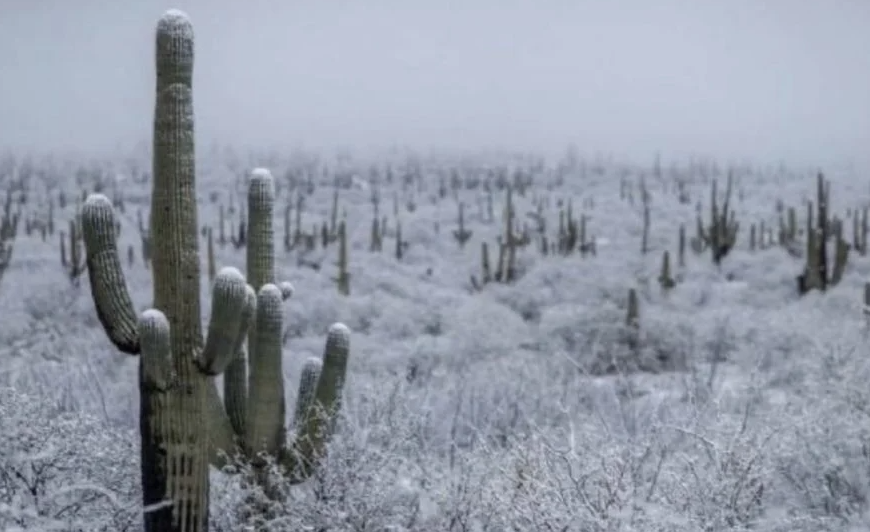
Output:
x=766 y=79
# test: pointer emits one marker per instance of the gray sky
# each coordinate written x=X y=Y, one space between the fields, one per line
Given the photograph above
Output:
x=766 y=79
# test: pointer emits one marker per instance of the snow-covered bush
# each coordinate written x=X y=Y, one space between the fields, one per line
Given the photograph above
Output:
x=63 y=471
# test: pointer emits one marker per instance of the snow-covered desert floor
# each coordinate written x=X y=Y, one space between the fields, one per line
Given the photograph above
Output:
x=471 y=410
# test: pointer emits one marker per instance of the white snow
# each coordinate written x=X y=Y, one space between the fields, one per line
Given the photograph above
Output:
x=474 y=406
x=177 y=23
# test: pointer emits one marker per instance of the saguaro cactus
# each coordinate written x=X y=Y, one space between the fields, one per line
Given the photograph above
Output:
x=817 y=273
x=251 y=417
x=721 y=235
x=177 y=365
x=174 y=368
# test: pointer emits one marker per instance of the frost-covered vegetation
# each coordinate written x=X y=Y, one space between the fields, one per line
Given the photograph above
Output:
x=570 y=384
x=479 y=409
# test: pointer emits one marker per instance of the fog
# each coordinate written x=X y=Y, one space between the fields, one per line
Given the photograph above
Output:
x=768 y=80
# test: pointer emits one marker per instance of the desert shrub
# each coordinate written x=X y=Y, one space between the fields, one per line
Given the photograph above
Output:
x=372 y=479
x=597 y=341
x=62 y=471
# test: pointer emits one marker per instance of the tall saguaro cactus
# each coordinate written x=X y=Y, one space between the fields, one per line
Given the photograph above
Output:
x=174 y=368
x=177 y=365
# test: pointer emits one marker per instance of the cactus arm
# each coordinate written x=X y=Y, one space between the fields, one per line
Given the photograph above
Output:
x=307 y=386
x=247 y=317
x=266 y=408
x=229 y=297
x=228 y=417
x=155 y=380
x=328 y=393
x=108 y=287
x=260 y=251
x=222 y=437
x=156 y=353
x=260 y=258
x=308 y=448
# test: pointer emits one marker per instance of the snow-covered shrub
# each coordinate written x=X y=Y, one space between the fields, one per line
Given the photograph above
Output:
x=597 y=340
x=61 y=471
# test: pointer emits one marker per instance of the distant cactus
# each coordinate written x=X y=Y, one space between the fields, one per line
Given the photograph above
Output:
x=289 y=244
x=645 y=200
x=666 y=281
x=632 y=320
x=342 y=278
x=240 y=238
x=333 y=218
x=222 y=236
x=145 y=237
x=71 y=257
x=209 y=253
x=859 y=231
x=401 y=244
x=376 y=240
x=817 y=273
x=8 y=233
x=461 y=234
x=182 y=422
x=506 y=269
x=721 y=235
x=681 y=246
x=486 y=275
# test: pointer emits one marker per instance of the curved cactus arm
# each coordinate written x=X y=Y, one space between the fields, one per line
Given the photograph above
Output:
x=157 y=372
x=330 y=385
x=236 y=374
x=229 y=296
x=227 y=416
x=302 y=459
x=108 y=287
x=246 y=318
x=266 y=408
x=156 y=382
x=224 y=443
x=307 y=386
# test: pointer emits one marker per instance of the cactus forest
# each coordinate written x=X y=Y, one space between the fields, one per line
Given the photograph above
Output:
x=251 y=339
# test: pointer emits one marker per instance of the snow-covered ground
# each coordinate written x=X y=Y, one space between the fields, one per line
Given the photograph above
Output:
x=765 y=425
